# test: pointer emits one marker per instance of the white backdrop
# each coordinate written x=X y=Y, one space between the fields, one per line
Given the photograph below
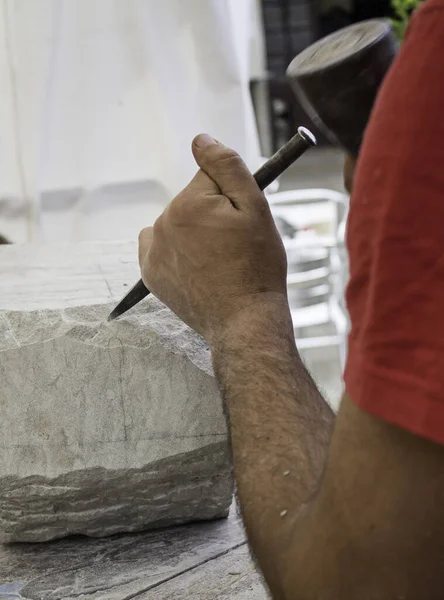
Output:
x=100 y=101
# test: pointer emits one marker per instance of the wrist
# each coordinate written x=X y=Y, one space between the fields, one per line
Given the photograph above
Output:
x=264 y=315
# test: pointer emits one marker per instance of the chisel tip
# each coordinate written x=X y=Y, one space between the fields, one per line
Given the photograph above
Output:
x=135 y=295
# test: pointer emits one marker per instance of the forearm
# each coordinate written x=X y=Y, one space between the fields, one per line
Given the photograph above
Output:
x=280 y=427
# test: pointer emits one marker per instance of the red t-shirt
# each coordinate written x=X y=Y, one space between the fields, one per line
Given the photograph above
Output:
x=395 y=369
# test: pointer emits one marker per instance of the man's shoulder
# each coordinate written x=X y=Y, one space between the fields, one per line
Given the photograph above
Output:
x=427 y=22
x=428 y=6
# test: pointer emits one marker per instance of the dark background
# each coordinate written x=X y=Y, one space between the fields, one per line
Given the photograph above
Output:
x=290 y=26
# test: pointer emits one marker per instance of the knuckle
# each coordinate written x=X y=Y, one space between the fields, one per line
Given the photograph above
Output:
x=180 y=208
x=157 y=227
x=143 y=234
x=174 y=210
x=227 y=158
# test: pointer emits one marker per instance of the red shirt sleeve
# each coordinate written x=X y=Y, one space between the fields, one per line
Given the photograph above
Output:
x=395 y=368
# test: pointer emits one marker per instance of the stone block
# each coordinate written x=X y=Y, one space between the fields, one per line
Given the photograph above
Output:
x=104 y=427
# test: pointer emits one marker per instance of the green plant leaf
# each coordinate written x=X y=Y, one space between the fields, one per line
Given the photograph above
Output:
x=403 y=10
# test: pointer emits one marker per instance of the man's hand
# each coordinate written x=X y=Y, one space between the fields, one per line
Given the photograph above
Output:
x=215 y=251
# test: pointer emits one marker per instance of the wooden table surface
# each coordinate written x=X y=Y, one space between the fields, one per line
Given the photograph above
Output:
x=207 y=561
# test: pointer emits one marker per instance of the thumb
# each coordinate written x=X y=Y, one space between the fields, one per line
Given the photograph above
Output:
x=228 y=171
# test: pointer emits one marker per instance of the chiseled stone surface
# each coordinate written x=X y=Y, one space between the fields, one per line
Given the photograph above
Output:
x=104 y=427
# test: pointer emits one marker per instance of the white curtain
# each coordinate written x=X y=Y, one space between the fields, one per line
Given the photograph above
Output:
x=100 y=101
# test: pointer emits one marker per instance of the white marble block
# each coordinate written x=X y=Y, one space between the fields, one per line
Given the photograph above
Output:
x=104 y=427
